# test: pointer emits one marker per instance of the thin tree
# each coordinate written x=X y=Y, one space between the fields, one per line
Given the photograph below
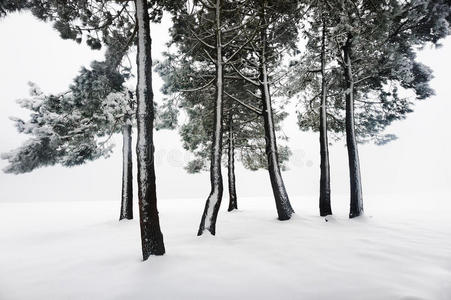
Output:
x=76 y=126
x=324 y=195
x=151 y=236
x=208 y=44
x=374 y=58
x=75 y=21
x=276 y=33
x=189 y=75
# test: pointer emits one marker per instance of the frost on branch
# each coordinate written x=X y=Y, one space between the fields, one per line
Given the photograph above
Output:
x=73 y=127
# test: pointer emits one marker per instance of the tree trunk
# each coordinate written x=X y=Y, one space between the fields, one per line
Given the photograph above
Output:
x=210 y=214
x=284 y=209
x=127 y=174
x=151 y=236
x=231 y=166
x=356 y=206
x=324 y=189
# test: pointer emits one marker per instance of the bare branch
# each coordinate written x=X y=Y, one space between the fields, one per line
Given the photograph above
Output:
x=209 y=56
x=248 y=106
x=207 y=4
x=245 y=77
x=201 y=40
x=241 y=47
x=199 y=88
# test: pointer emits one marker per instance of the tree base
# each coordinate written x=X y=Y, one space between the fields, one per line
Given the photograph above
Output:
x=232 y=206
x=355 y=214
x=285 y=216
x=212 y=231
x=153 y=247
x=325 y=211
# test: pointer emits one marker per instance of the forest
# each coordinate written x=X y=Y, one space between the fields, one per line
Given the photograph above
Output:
x=230 y=69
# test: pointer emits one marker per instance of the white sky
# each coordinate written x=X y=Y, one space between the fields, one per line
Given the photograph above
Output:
x=417 y=163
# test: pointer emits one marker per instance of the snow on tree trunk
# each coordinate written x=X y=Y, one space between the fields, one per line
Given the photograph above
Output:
x=210 y=214
x=356 y=206
x=284 y=209
x=151 y=236
x=324 y=190
x=231 y=167
x=127 y=174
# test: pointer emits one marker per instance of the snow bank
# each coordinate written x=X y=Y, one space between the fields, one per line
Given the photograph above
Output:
x=58 y=250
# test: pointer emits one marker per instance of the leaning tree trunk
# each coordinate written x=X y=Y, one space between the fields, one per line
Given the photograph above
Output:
x=324 y=189
x=284 y=209
x=127 y=174
x=151 y=236
x=231 y=166
x=210 y=214
x=356 y=206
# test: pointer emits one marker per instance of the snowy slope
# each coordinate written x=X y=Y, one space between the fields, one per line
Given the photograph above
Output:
x=78 y=250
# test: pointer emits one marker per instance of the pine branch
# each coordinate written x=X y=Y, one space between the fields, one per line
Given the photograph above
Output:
x=245 y=77
x=248 y=106
x=199 y=88
x=201 y=40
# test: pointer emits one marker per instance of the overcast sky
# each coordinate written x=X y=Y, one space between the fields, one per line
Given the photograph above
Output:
x=417 y=163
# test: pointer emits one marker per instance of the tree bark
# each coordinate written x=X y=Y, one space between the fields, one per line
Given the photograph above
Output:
x=356 y=204
x=127 y=174
x=324 y=190
x=284 y=209
x=151 y=236
x=231 y=166
x=210 y=214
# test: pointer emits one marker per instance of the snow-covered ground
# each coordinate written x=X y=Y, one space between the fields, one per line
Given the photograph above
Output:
x=78 y=250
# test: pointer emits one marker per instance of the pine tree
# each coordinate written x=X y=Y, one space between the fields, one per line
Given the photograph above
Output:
x=113 y=27
x=74 y=127
x=243 y=136
x=9 y=6
x=190 y=74
x=275 y=33
x=97 y=22
x=374 y=58
x=204 y=34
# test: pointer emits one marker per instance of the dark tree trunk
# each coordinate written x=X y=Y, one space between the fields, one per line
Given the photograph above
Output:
x=231 y=166
x=324 y=189
x=284 y=209
x=356 y=206
x=151 y=236
x=210 y=214
x=127 y=174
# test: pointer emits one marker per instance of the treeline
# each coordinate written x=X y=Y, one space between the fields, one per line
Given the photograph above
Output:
x=230 y=68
